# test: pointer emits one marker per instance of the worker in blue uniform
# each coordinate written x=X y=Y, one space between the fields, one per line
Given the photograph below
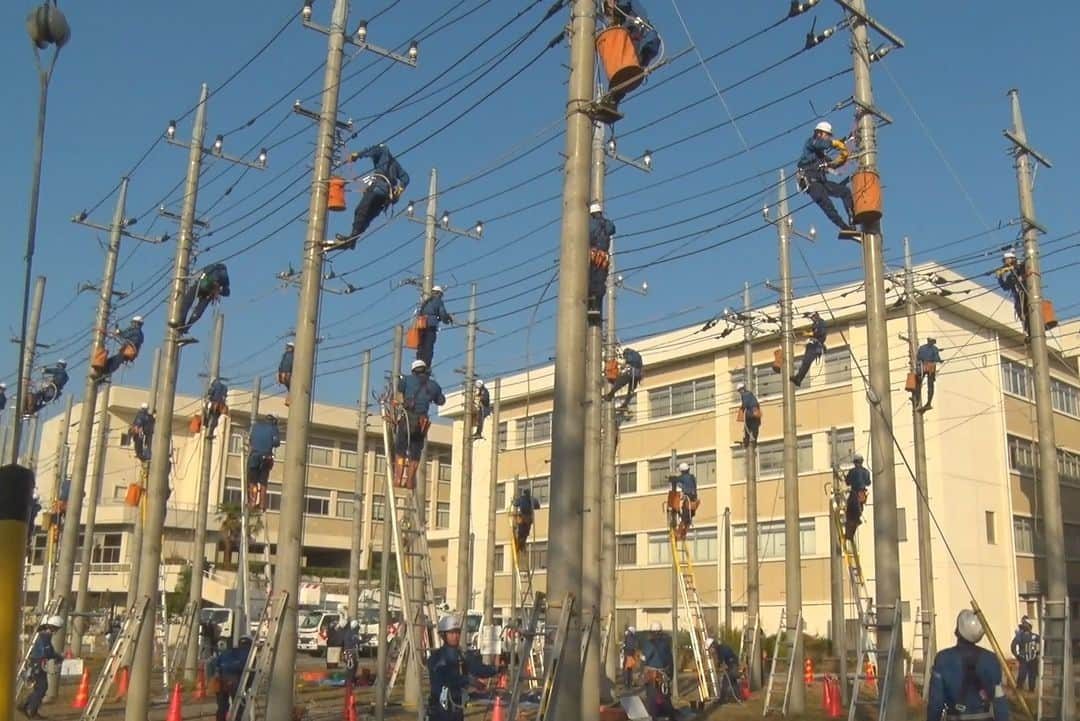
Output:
x=631 y=375
x=629 y=655
x=142 y=432
x=727 y=662
x=262 y=440
x=659 y=664
x=927 y=358
x=965 y=684
x=37 y=669
x=1012 y=278
x=813 y=177
x=131 y=341
x=3 y=396
x=1026 y=646
x=525 y=506
x=751 y=413
x=451 y=670
x=482 y=409
x=227 y=667
x=386 y=182
x=600 y=232
x=858 y=483
x=207 y=286
x=632 y=15
x=686 y=483
x=431 y=312
x=53 y=380
x=815 y=347
x=284 y=368
x=419 y=390
x=216 y=396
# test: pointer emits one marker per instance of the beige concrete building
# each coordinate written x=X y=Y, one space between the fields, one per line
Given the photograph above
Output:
x=981 y=462
x=330 y=505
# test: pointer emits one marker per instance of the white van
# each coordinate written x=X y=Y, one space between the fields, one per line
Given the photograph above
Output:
x=313 y=629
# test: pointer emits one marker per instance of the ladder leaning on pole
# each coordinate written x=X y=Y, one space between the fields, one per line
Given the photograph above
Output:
x=119 y=656
x=526 y=598
x=255 y=679
x=782 y=671
x=1052 y=656
x=748 y=643
x=187 y=623
x=866 y=663
x=708 y=682
x=551 y=675
x=524 y=643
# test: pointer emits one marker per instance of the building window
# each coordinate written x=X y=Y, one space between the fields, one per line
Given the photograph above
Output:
x=845 y=445
x=687 y=397
x=347 y=507
x=445 y=470
x=500 y=557
x=380 y=466
x=626 y=550
x=703 y=546
x=534 y=429
x=771 y=541
x=273 y=497
x=659 y=548
x=442 y=514
x=766 y=381
x=37 y=557
x=125 y=440
x=660 y=474
x=320 y=452
x=540 y=488
x=347 y=455
x=236 y=442
x=538 y=556
x=1072 y=541
x=1064 y=397
x=1068 y=464
x=901 y=524
x=378 y=507
x=991 y=529
x=771 y=458
x=504 y=436
x=500 y=496
x=317 y=502
x=1023 y=455
x=1016 y=378
x=106 y=548
x=627 y=478
x=1024 y=535
x=232 y=493
x=279 y=452
x=837 y=365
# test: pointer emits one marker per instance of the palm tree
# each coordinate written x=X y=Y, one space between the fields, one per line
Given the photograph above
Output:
x=229 y=515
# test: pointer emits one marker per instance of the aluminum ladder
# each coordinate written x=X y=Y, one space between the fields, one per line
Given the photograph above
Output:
x=748 y=643
x=120 y=656
x=708 y=683
x=187 y=623
x=1054 y=663
x=254 y=683
x=870 y=655
x=782 y=671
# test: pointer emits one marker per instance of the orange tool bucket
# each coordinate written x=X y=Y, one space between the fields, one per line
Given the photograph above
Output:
x=129 y=352
x=195 y=424
x=1048 y=315
x=611 y=370
x=412 y=338
x=866 y=192
x=133 y=495
x=336 y=198
x=912 y=383
x=100 y=358
x=620 y=59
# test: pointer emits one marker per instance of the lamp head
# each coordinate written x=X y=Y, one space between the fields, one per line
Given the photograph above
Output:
x=414 y=51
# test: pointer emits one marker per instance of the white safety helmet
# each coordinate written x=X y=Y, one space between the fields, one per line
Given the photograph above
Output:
x=479 y=383
x=290 y=344
x=451 y=622
x=857 y=458
x=418 y=365
x=740 y=387
x=631 y=629
x=144 y=405
x=684 y=467
x=968 y=626
x=596 y=207
x=62 y=363
x=709 y=642
x=1008 y=254
x=655 y=626
x=3 y=386
x=136 y=319
x=436 y=289
x=354 y=624
x=824 y=126
x=54 y=621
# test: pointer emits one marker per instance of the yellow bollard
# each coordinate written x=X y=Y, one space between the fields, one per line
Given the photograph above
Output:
x=16 y=490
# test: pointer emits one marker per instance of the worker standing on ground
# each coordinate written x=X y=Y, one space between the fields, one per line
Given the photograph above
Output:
x=216 y=396
x=525 y=507
x=385 y=184
x=600 y=231
x=1012 y=278
x=40 y=654
x=419 y=390
x=131 y=341
x=209 y=284
x=483 y=408
x=750 y=410
x=284 y=368
x=262 y=441
x=815 y=347
x=450 y=669
x=631 y=375
x=966 y=680
x=142 y=432
x=53 y=380
x=629 y=655
x=1025 y=647
x=858 y=483
x=926 y=363
x=228 y=666
x=659 y=665
x=432 y=311
x=727 y=662
x=815 y=163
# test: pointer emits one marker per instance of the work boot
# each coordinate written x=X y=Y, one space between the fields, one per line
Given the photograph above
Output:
x=186 y=340
x=796 y=381
x=849 y=232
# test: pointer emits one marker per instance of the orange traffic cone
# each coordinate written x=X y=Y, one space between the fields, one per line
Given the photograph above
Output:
x=744 y=689
x=498 y=711
x=834 y=709
x=200 y=683
x=808 y=671
x=871 y=676
x=910 y=692
x=122 y=683
x=82 y=696
x=68 y=654
x=175 y=713
x=826 y=693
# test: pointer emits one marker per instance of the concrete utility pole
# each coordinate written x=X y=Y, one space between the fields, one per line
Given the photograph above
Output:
x=1049 y=488
x=753 y=597
x=138 y=700
x=592 y=520
x=836 y=580
x=29 y=454
x=29 y=353
x=387 y=544
x=358 y=487
x=493 y=481
x=291 y=520
x=97 y=476
x=140 y=511
x=886 y=545
x=568 y=420
x=674 y=600
x=727 y=568
x=202 y=508
x=430 y=236
x=464 y=582
x=54 y=524
x=609 y=490
x=922 y=486
x=244 y=597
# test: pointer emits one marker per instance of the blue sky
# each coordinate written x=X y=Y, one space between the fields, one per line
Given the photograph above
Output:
x=129 y=70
